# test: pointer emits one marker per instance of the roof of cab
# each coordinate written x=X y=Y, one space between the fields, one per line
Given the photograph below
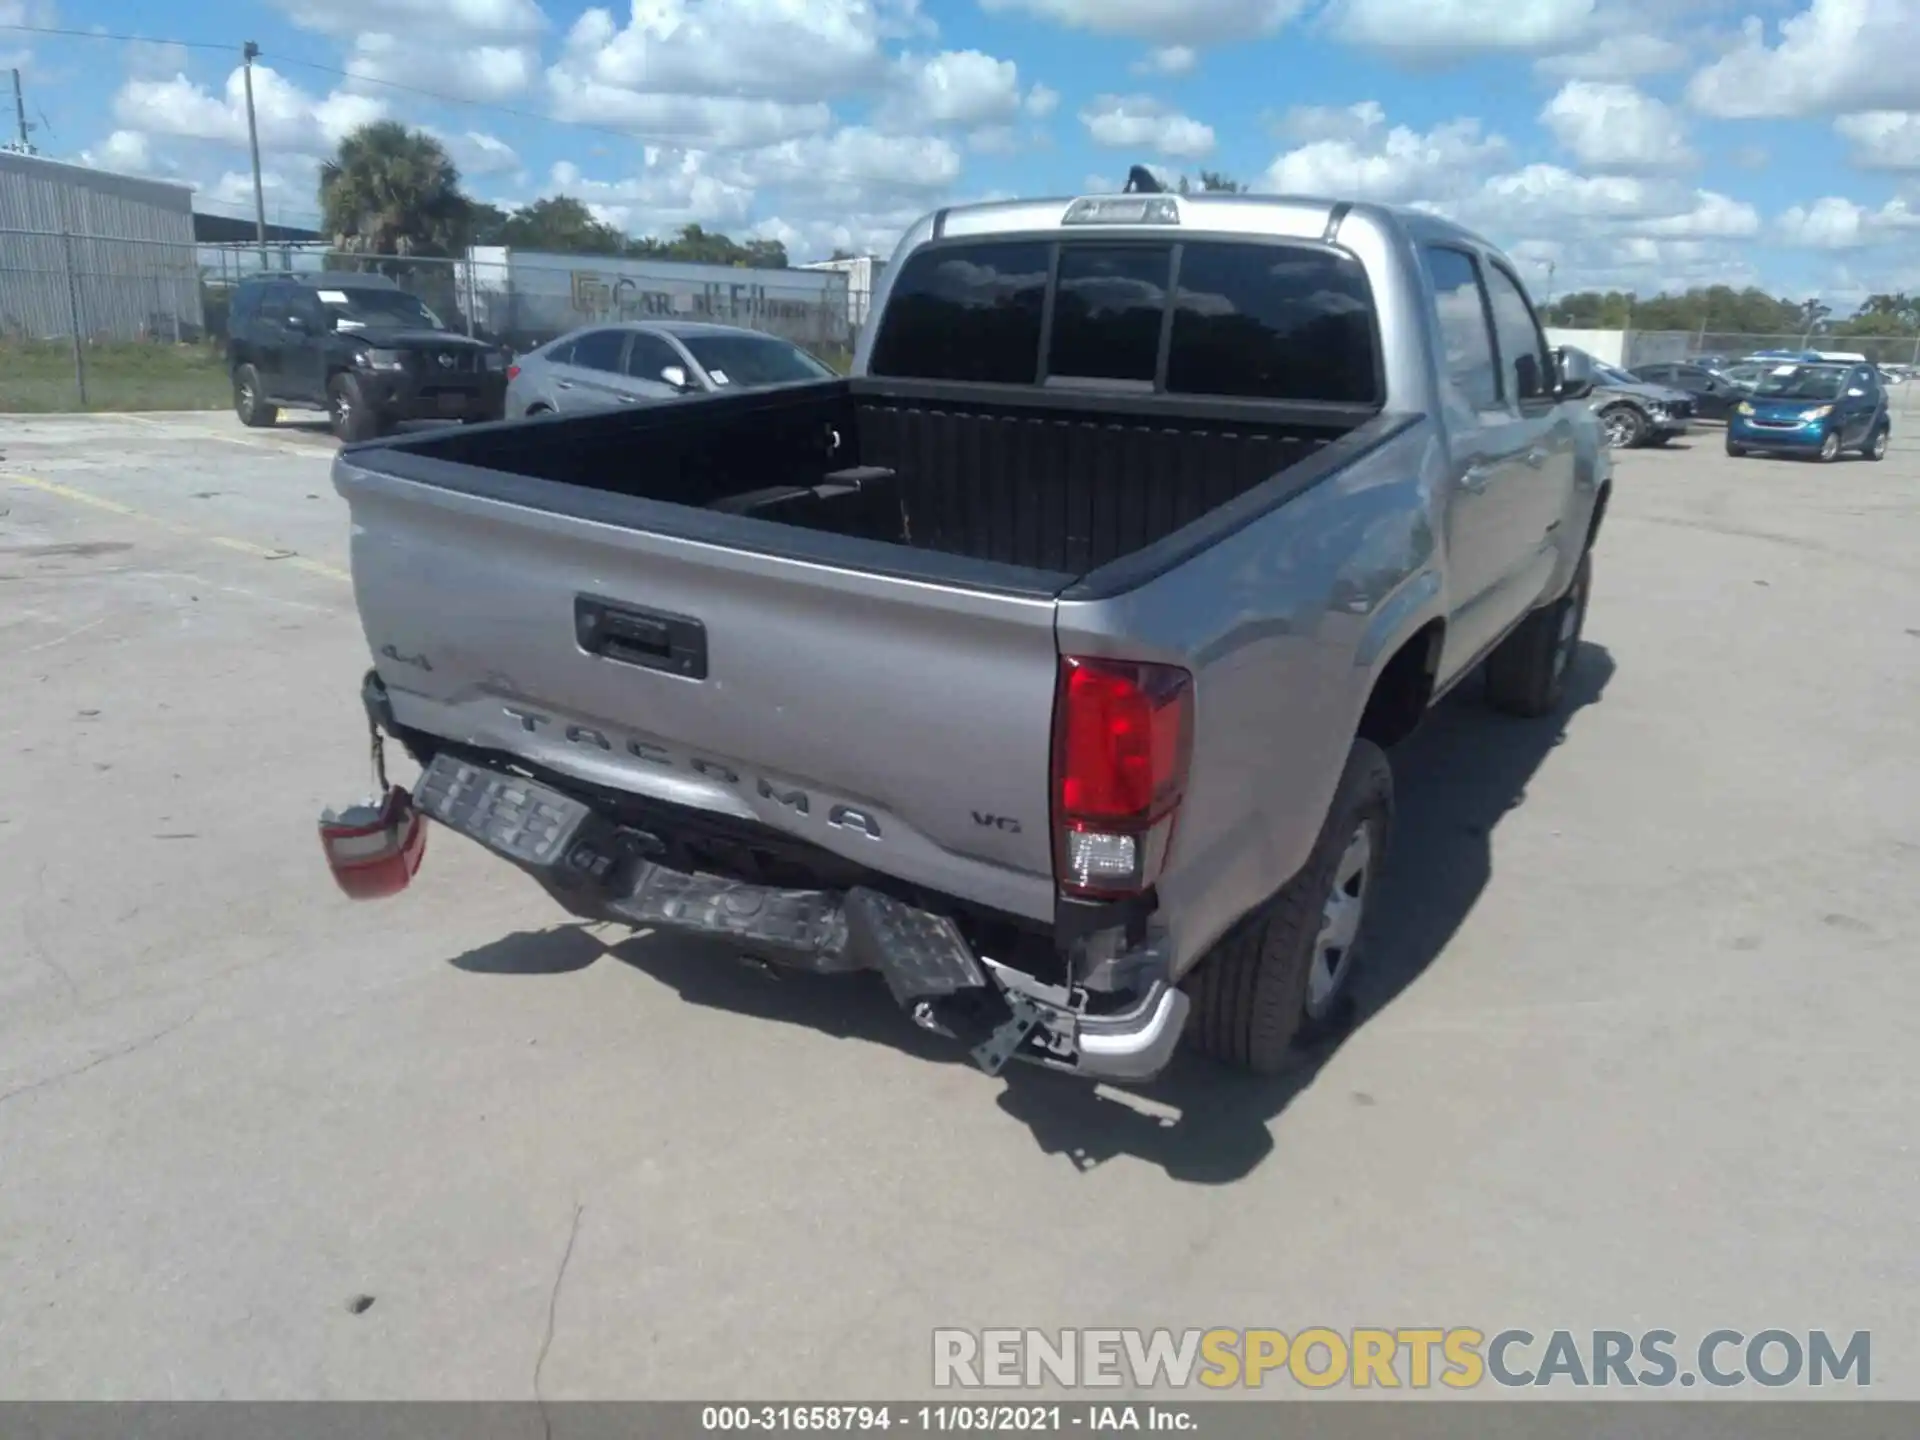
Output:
x=1306 y=217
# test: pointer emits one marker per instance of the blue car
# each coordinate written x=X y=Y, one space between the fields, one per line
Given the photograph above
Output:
x=1812 y=410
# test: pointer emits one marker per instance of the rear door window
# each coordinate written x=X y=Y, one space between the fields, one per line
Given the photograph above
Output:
x=1467 y=368
x=600 y=350
x=273 y=304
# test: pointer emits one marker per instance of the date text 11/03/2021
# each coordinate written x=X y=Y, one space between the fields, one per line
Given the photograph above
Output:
x=984 y=1419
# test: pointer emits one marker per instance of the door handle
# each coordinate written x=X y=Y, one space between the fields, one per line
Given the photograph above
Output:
x=1536 y=457
x=563 y=384
x=1475 y=479
x=627 y=399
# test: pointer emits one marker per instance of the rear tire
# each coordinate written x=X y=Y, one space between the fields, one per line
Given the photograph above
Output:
x=1876 y=448
x=1284 y=972
x=247 y=404
x=348 y=413
x=1527 y=674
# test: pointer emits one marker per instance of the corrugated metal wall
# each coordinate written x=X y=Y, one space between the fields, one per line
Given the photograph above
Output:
x=126 y=264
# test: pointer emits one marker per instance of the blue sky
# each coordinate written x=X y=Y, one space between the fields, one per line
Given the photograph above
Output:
x=1627 y=143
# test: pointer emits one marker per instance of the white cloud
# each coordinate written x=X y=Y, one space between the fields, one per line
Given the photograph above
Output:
x=1836 y=223
x=125 y=151
x=1168 y=60
x=469 y=72
x=1611 y=126
x=792 y=51
x=955 y=87
x=853 y=158
x=461 y=18
x=693 y=120
x=1354 y=153
x=1042 y=101
x=1170 y=22
x=287 y=115
x=1139 y=122
x=674 y=191
x=1713 y=216
x=874 y=233
x=1413 y=30
x=478 y=153
x=1883 y=139
x=1626 y=55
x=1836 y=56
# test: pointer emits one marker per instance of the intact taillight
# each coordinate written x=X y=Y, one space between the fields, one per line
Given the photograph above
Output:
x=1122 y=736
x=513 y=372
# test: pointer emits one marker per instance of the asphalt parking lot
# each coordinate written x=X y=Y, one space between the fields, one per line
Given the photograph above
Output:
x=1632 y=1054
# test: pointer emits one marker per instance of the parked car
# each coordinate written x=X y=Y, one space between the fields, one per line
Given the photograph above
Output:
x=357 y=346
x=1814 y=411
x=1048 y=665
x=1713 y=394
x=1747 y=374
x=1634 y=413
x=599 y=366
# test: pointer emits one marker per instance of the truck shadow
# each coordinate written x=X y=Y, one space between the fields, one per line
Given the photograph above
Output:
x=1454 y=780
x=1200 y=1122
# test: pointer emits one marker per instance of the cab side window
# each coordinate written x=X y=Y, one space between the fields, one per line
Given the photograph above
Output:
x=273 y=305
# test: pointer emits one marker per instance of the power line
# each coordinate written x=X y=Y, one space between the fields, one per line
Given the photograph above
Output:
x=103 y=35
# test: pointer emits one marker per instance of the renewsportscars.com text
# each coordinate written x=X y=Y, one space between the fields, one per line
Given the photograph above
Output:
x=1459 y=1358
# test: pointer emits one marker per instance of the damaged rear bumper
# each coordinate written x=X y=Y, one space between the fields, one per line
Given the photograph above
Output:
x=601 y=870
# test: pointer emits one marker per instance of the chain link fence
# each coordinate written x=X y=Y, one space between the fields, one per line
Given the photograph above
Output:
x=94 y=323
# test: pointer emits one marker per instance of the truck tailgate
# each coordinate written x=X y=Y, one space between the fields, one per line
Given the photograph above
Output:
x=903 y=724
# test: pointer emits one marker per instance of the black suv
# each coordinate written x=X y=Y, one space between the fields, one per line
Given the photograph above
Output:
x=357 y=346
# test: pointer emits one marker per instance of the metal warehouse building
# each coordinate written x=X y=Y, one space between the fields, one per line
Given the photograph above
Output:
x=110 y=257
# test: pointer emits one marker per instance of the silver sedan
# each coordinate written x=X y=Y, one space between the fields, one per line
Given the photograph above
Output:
x=602 y=366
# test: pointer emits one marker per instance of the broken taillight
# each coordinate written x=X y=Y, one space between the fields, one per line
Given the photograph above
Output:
x=1122 y=738
x=374 y=850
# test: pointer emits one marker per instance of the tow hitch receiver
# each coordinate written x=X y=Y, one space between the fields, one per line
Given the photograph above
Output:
x=374 y=850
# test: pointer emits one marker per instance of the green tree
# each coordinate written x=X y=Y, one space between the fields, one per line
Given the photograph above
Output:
x=559 y=224
x=699 y=246
x=393 y=191
x=1210 y=181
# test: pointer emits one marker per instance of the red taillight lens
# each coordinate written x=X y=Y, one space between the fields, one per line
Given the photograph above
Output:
x=513 y=372
x=374 y=851
x=1123 y=733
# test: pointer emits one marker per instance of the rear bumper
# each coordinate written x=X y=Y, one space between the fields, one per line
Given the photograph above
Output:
x=602 y=870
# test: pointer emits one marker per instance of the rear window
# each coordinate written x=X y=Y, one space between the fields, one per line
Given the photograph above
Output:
x=966 y=313
x=1242 y=320
x=749 y=360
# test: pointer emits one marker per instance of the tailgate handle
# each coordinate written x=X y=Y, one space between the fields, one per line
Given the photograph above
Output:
x=651 y=639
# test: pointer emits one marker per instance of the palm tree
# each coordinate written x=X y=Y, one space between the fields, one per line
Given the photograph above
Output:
x=393 y=191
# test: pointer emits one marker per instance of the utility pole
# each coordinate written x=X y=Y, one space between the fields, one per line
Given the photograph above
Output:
x=248 y=52
x=20 y=116
x=1547 y=304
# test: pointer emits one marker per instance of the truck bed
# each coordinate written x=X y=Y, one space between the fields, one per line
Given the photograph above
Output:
x=1047 y=480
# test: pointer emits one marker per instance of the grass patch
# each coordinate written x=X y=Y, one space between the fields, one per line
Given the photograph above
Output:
x=36 y=376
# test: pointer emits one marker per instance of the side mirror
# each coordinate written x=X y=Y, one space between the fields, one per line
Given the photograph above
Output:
x=676 y=376
x=300 y=323
x=1576 y=373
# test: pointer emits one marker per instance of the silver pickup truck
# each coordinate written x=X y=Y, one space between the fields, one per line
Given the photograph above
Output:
x=1047 y=665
